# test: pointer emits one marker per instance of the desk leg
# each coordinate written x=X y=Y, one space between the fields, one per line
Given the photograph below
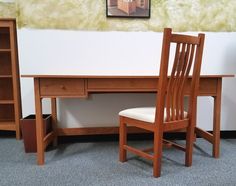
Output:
x=54 y=119
x=39 y=123
x=216 y=120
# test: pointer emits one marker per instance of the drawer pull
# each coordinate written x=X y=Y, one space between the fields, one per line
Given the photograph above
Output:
x=63 y=87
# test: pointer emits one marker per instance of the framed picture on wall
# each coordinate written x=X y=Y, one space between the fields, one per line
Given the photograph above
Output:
x=128 y=8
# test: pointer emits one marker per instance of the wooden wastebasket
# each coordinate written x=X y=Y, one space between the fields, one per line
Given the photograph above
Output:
x=28 y=129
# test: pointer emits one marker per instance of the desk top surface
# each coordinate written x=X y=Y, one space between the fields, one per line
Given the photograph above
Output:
x=116 y=76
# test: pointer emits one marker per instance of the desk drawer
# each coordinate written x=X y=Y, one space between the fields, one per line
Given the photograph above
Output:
x=65 y=87
x=123 y=84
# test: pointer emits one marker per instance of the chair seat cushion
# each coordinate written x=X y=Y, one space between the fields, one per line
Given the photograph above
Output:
x=146 y=114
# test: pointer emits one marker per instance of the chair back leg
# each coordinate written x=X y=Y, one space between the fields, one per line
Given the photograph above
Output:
x=190 y=137
x=157 y=156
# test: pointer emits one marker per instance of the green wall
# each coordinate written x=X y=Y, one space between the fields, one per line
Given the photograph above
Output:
x=7 y=10
x=181 y=15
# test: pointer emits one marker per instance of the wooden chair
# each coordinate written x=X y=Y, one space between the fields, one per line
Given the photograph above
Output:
x=169 y=113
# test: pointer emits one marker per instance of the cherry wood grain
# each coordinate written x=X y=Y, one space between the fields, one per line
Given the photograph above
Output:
x=170 y=98
x=209 y=85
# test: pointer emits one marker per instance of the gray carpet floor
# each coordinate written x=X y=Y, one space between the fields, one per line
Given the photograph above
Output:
x=97 y=164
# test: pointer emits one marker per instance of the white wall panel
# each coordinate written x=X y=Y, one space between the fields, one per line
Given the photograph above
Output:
x=117 y=53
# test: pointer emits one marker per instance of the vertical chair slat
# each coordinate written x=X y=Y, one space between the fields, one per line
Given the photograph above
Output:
x=182 y=81
x=183 y=61
x=169 y=102
x=178 y=78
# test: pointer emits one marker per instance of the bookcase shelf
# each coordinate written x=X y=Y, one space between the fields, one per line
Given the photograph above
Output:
x=5 y=50
x=5 y=76
x=8 y=125
x=6 y=102
x=10 y=101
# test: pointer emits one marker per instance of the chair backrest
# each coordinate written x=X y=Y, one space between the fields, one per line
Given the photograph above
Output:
x=187 y=58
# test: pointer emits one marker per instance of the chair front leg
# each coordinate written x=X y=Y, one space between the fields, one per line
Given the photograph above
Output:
x=122 y=140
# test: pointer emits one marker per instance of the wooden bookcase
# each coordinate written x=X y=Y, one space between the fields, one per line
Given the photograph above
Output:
x=10 y=100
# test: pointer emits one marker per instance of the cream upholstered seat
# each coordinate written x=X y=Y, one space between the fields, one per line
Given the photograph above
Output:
x=168 y=114
x=146 y=114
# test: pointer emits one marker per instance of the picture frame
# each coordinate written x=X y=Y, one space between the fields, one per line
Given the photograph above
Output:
x=128 y=8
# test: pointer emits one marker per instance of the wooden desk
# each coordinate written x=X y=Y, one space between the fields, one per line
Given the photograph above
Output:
x=59 y=86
